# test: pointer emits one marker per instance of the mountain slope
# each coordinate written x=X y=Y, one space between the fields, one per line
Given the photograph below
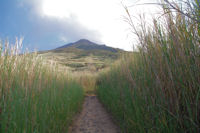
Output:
x=88 y=45
x=83 y=55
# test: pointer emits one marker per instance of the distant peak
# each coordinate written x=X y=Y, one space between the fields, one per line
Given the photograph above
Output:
x=83 y=40
x=85 y=44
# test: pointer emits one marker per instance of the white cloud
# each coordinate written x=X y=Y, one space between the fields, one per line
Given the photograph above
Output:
x=101 y=16
x=63 y=38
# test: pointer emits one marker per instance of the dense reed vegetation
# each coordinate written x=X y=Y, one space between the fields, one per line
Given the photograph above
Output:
x=157 y=89
x=34 y=95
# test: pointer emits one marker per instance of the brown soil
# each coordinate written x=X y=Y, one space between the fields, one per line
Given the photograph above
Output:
x=93 y=119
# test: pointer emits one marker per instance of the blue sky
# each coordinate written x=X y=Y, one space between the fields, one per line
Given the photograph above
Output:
x=47 y=24
x=21 y=20
x=17 y=21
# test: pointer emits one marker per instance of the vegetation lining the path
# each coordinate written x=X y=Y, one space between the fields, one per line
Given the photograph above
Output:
x=87 y=80
x=157 y=89
x=34 y=96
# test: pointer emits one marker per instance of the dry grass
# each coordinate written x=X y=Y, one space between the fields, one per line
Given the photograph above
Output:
x=158 y=88
x=75 y=59
x=34 y=95
x=87 y=81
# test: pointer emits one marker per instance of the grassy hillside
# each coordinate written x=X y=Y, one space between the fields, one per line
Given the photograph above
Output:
x=34 y=96
x=158 y=89
x=83 y=56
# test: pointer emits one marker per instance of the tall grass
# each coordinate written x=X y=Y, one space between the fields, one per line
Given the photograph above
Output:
x=87 y=80
x=34 y=96
x=158 y=88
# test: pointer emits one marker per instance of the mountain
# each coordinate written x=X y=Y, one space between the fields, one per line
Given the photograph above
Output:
x=88 y=45
x=83 y=55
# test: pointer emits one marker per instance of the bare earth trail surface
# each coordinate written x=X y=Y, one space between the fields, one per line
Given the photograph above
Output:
x=94 y=119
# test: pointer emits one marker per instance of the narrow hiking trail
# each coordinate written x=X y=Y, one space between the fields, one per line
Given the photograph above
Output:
x=93 y=119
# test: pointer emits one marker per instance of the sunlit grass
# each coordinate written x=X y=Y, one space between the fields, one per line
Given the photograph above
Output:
x=157 y=89
x=87 y=80
x=34 y=95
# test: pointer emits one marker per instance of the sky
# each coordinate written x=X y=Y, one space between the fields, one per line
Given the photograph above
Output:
x=48 y=24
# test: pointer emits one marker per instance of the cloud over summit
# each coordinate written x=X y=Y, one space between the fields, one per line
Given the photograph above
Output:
x=26 y=18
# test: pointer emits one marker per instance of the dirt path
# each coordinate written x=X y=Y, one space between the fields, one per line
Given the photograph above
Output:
x=94 y=119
